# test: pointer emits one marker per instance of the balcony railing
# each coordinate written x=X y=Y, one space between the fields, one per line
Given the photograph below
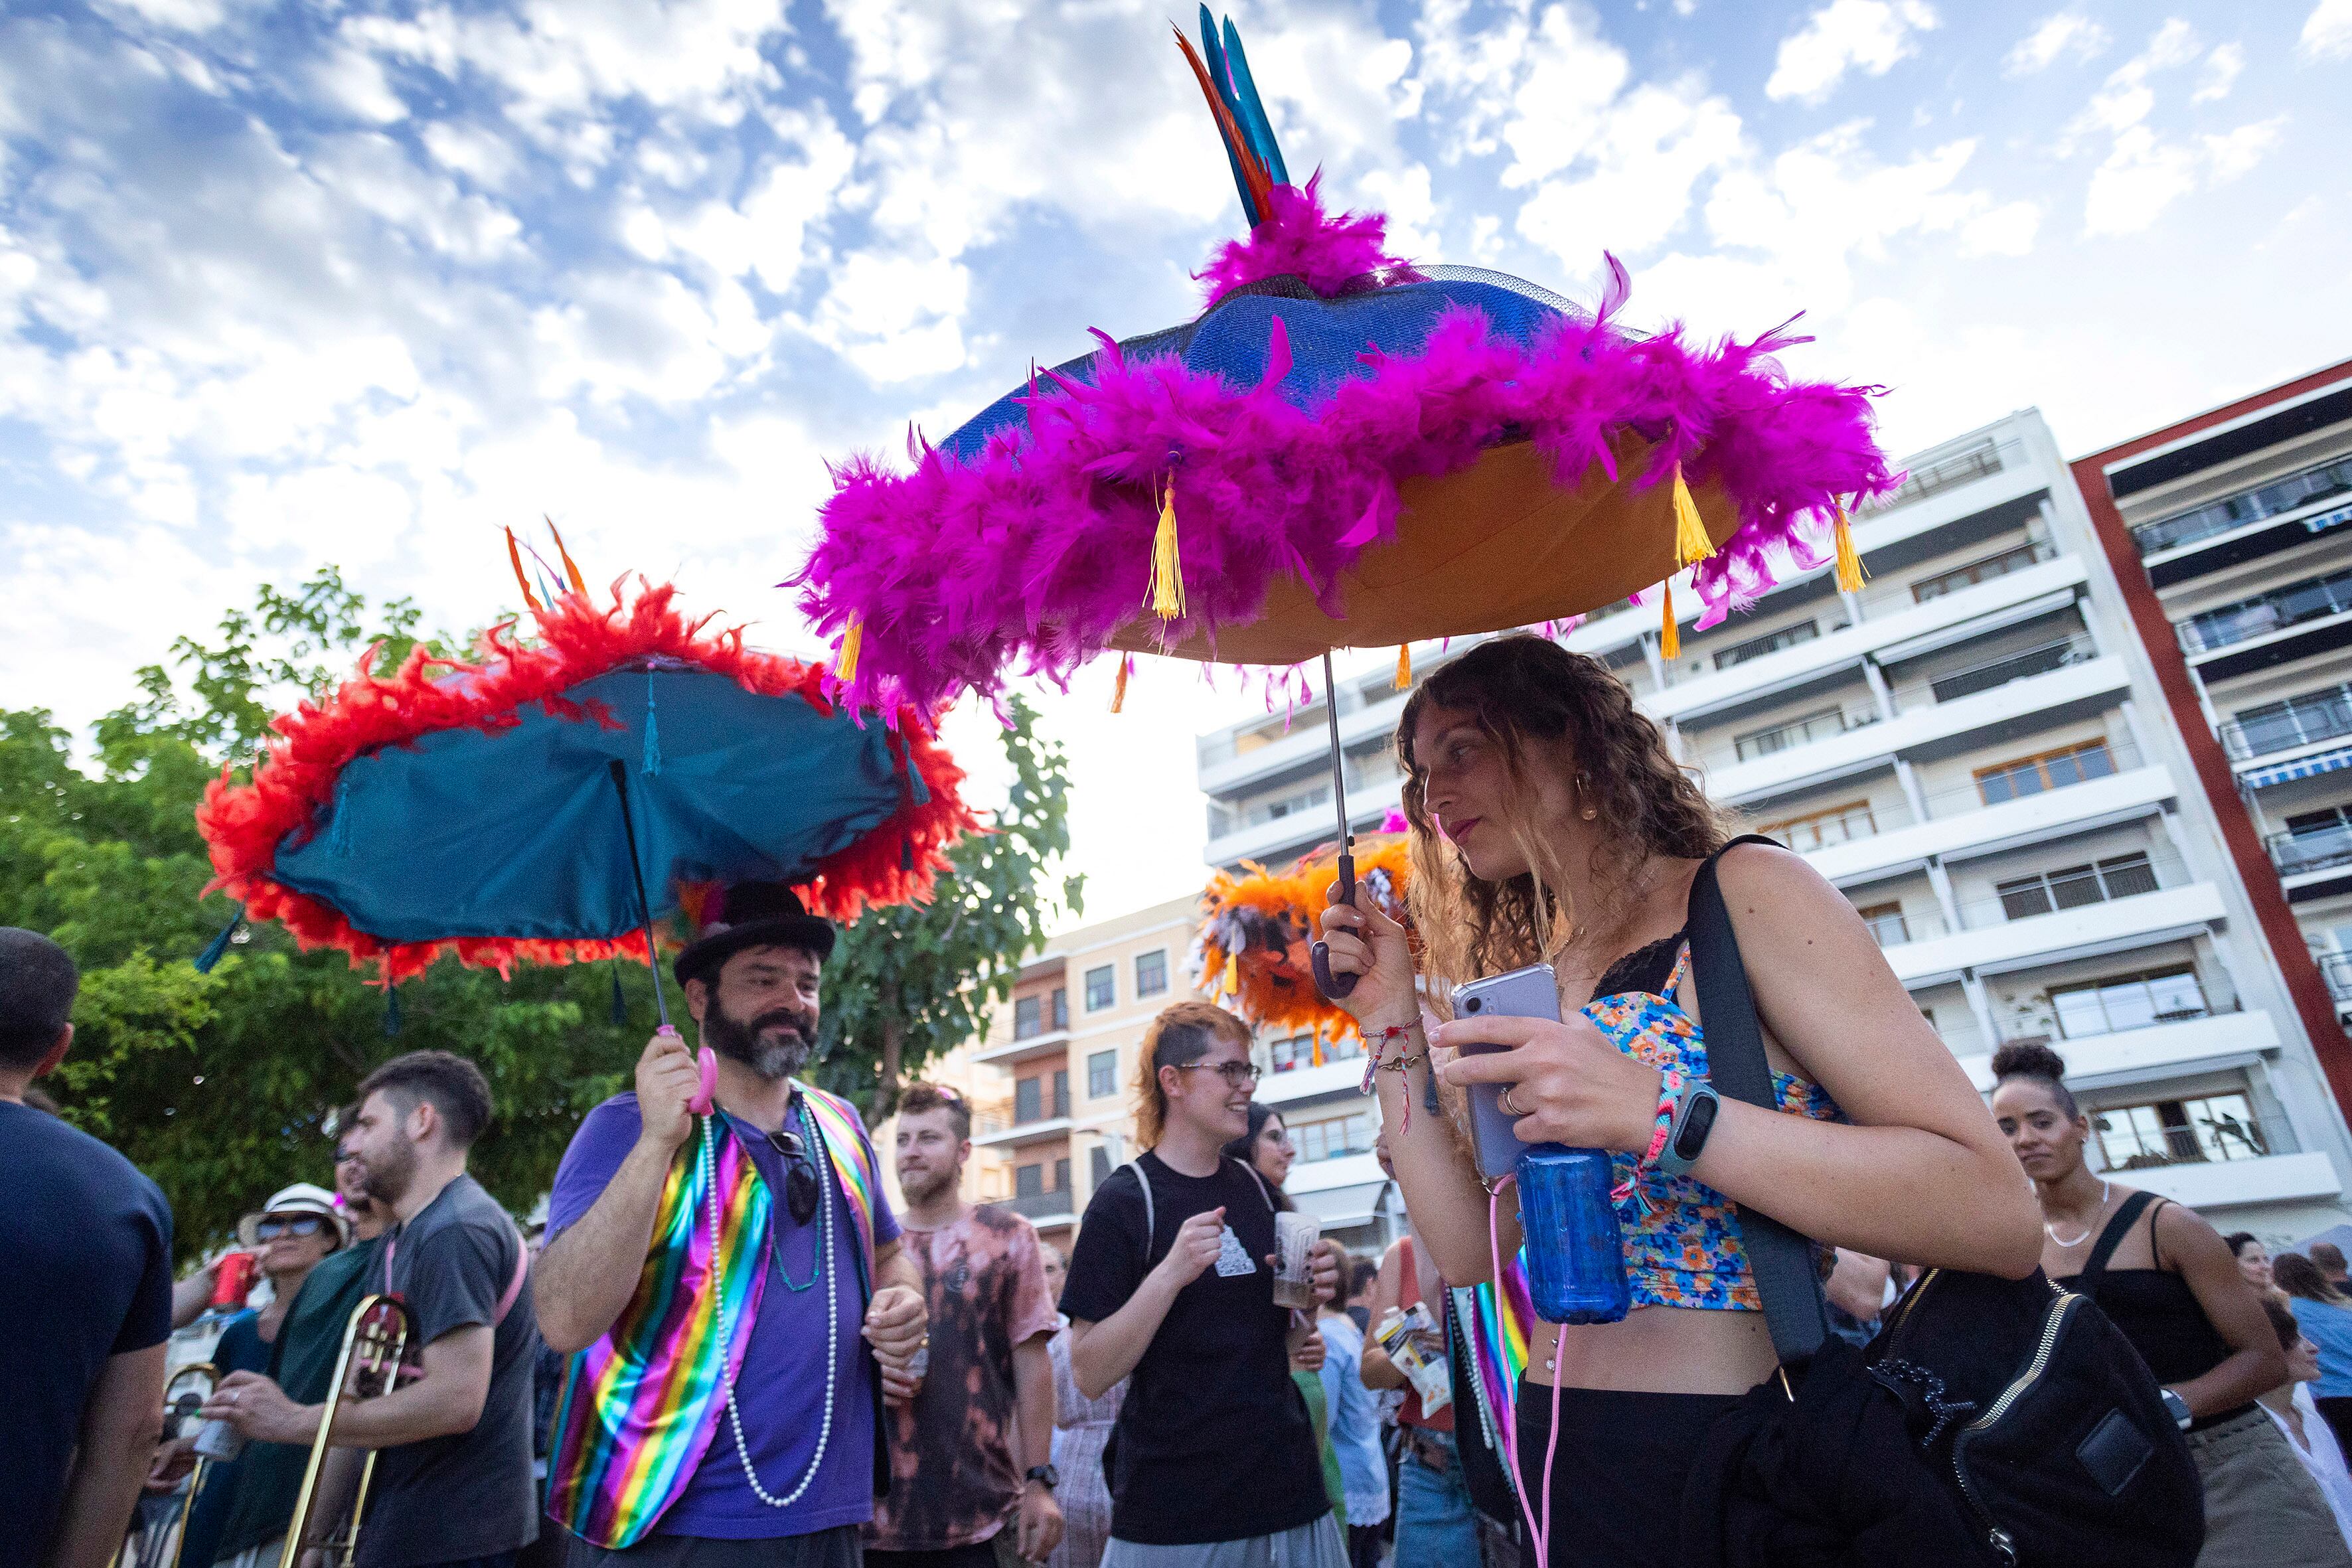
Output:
x=2316 y=850
x=2212 y=1130
x=1800 y=732
x=2336 y=968
x=1975 y=463
x=2116 y=880
x=2270 y=500
x=2032 y=661
x=2298 y=722
x=2265 y=613
x=1038 y=1205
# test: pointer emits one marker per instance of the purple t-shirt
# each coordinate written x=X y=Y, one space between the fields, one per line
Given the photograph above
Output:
x=779 y=1391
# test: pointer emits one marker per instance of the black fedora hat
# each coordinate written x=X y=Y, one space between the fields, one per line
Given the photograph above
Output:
x=751 y=914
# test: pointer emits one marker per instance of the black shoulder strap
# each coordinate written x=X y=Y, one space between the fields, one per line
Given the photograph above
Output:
x=2127 y=1216
x=1782 y=1260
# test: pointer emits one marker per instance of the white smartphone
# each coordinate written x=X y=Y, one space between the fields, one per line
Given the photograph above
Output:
x=1529 y=993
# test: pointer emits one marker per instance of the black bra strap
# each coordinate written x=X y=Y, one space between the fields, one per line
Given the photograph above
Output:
x=2125 y=1216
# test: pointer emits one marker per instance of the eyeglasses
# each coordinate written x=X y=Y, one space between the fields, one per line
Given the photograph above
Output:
x=1238 y=1075
x=800 y=1175
x=271 y=1229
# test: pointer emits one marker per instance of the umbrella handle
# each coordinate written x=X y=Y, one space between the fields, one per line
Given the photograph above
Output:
x=707 y=1096
x=1337 y=986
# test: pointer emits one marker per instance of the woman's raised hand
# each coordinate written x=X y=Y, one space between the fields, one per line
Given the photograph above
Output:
x=1364 y=941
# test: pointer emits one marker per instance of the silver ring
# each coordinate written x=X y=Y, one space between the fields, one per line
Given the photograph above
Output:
x=1506 y=1102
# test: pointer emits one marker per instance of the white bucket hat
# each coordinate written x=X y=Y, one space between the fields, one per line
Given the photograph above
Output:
x=302 y=1197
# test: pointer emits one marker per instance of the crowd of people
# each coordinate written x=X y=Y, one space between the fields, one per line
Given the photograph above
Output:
x=729 y=1346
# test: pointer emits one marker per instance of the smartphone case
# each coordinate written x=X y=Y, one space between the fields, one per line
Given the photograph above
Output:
x=1529 y=993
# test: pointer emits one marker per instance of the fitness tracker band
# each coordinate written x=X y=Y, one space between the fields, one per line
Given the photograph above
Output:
x=1694 y=1119
x=1046 y=1475
x=2178 y=1408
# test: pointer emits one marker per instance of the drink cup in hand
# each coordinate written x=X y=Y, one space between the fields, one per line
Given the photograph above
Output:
x=233 y=1281
x=1295 y=1235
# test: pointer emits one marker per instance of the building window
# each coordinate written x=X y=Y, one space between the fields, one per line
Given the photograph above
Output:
x=1099 y=1163
x=1795 y=732
x=2178 y=1133
x=1328 y=1140
x=2044 y=770
x=1029 y=1181
x=1820 y=829
x=2298 y=722
x=1028 y=1098
x=1151 y=973
x=1061 y=1008
x=1770 y=642
x=1061 y=1175
x=2072 y=887
x=2015 y=559
x=2128 y=1002
x=1887 y=924
x=1300 y=1051
x=2289 y=606
x=1061 y=1106
x=1102 y=1074
x=1028 y=1017
x=1102 y=987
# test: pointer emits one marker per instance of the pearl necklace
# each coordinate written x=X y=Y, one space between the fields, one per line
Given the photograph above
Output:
x=832 y=1313
x=2063 y=1243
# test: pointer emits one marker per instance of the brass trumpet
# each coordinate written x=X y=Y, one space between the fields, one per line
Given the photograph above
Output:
x=367 y=1367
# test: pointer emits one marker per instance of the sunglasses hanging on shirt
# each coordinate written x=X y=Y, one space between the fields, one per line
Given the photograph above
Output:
x=800 y=1175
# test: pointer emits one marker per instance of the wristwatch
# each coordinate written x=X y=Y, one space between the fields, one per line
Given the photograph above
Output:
x=2179 y=1407
x=1046 y=1475
x=1686 y=1139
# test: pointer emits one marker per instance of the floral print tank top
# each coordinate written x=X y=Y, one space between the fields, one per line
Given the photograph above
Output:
x=1681 y=1237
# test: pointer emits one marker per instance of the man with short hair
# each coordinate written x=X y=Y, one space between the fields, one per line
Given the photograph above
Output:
x=717 y=1276
x=453 y=1476
x=972 y=1452
x=85 y=1294
x=2330 y=1259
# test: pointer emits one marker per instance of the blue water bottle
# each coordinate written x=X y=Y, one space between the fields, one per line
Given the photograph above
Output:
x=1576 y=1257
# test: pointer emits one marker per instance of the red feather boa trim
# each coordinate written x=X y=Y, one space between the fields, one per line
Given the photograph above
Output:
x=244 y=824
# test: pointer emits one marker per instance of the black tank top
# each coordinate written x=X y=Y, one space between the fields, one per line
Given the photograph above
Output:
x=2154 y=1307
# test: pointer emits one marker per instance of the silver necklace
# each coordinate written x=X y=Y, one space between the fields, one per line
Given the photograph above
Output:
x=2050 y=1231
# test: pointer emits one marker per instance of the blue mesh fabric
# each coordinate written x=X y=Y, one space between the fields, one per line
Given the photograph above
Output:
x=1328 y=337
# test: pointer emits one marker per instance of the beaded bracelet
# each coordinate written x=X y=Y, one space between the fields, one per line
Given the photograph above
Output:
x=1670 y=1100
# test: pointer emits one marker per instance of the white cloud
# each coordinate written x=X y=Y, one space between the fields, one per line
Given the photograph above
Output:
x=1871 y=36
x=2327 y=31
x=2142 y=176
x=353 y=82
x=2005 y=230
x=1633 y=181
x=2066 y=33
x=2234 y=154
x=2223 y=68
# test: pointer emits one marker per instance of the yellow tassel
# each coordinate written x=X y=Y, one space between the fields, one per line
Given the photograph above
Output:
x=1670 y=638
x=1404 y=667
x=1118 y=687
x=1691 y=544
x=1167 y=588
x=853 y=638
x=1849 y=560
x=1232 y=982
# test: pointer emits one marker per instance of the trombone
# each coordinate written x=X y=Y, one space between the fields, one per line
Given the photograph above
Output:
x=183 y=1394
x=367 y=1367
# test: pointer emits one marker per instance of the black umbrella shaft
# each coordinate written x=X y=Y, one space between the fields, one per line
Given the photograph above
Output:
x=1337 y=985
x=637 y=875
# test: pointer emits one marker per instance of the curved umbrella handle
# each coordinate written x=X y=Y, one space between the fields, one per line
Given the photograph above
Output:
x=708 y=1095
x=1337 y=986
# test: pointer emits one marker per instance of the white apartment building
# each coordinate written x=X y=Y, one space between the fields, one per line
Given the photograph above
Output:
x=1973 y=750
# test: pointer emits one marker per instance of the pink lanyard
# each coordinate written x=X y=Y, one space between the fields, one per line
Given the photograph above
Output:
x=506 y=1299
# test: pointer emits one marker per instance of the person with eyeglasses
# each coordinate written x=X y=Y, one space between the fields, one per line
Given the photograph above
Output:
x=729 y=1284
x=1213 y=1460
x=243 y=1509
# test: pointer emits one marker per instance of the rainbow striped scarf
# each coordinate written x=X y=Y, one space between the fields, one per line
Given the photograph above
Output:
x=1501 y=1317
x=641 y=1406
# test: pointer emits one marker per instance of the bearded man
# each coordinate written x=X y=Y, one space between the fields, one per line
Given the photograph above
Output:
x=729 y=1286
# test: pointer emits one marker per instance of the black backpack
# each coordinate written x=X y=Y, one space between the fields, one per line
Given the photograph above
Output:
x=2005 y=1423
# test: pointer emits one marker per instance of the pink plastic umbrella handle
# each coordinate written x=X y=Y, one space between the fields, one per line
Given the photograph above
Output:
x=708 y=1096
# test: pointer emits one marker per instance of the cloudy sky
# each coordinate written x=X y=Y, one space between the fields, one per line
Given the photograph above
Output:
x=291 y=283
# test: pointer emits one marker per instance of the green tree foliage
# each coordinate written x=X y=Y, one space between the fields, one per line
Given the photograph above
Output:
x=219 y=1085
x=907 y=986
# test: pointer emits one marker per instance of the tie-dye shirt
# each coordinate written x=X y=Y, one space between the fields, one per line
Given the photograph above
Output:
x=954 y=1478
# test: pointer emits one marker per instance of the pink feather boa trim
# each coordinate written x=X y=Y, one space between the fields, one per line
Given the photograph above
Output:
x=244 y=824
x=1035 y=553
x=1301 y=240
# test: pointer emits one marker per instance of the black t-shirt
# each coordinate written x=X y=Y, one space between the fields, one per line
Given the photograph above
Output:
x=84 y=1274
x=468 y=1494
x=1213 y=1442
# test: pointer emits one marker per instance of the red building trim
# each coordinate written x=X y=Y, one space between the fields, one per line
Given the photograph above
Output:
x=2305 y=986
